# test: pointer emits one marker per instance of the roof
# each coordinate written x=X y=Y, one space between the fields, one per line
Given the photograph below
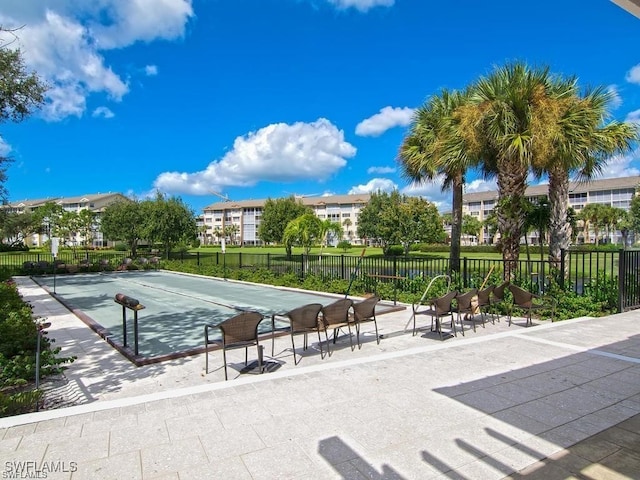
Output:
x=631 y=6
x=310 y=201
x=574 y=187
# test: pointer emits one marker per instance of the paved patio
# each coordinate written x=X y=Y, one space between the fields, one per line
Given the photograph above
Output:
x=547 y=401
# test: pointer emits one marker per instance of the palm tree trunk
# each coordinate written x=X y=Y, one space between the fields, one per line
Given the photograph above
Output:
x=456 y=223
x=560 y=232
x=512 y=183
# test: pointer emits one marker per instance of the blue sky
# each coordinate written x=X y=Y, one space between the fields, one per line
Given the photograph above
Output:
x=267 y=98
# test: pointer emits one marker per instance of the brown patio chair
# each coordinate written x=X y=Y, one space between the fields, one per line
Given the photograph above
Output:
x=530 y=302
x=498 y=296
x=465 y=308
x=304 y=320
x=483 y=302
x=365 y=311
x=334 y=317
x=438 y=308
x=239 y=331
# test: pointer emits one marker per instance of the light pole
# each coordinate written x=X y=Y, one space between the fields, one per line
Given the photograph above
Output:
x=40 y=326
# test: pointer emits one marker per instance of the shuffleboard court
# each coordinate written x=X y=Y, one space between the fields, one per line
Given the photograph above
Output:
x=176 y=307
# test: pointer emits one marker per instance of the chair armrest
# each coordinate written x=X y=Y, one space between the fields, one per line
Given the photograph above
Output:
x=207 y=327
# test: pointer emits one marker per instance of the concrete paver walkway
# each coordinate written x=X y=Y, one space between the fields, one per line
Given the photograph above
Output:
x=547 y=401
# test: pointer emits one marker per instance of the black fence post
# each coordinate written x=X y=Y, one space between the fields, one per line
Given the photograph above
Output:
x=563 y=253
x=239 y=259
x=465 y=271
x=198 y=258
x=342 y=274
x=622 y=268
x=268 y=261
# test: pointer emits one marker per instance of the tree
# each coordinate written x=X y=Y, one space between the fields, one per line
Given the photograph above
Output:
x=306 y=231
x=397 y=219
x=328 y=228
x=634 y=214
x=347 y=224
x=67 y=228
x=168 y=221
x=48 y=216
x=21 y=93
x=505 y=126
x=124 y=221
x=491 y=224
x=435 y=146
x=17 y=227
x=593 y=216
x=276 y=215
x=87 y=226
x=471 y=225
x=537 y=215
x=419 y=221
x=582 y=147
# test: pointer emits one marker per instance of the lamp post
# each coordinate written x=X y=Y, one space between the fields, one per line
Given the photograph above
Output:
x=40 y=326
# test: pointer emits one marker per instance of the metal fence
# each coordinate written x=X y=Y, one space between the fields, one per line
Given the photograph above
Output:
x=23 y=263
x=585 y=268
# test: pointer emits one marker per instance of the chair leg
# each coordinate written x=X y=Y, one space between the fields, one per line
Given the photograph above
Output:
x=350 y=336
x=320 y=344
x=326 y=335
x=377 y=336
x=293 y=345
x=224 y=358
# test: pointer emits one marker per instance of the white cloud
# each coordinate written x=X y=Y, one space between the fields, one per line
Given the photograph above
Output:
x=151 y=70
x=480 y=185
x=64 y=41
x=616 y=99
x=279 y=152
x=431 y=191
x=620 y=165
x=103 y=112
x=362 y=5
x=381 y=170
x=374 y=185
x=387 y=118
x=5 y=148
x=633 y=117
x=633 y=75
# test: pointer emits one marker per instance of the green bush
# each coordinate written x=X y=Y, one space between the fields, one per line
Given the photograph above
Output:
x=120 y=247
x=344 y=245
x=18 y=340
x=394 y=250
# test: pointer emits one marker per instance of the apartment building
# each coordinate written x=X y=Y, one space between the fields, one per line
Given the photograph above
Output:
x=242 y=218
x=95 y=202
x=616 y=192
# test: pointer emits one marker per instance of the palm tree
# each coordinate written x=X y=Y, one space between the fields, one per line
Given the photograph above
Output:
x=328 y=227
x=433 y=147
x=509 y=114
x=583 y=145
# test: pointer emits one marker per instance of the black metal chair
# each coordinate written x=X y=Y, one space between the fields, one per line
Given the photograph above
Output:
x=530 y=302
x=363 y=312
x=438 y=308
x=239 y=331
x=465 y=307
x=498 y=296
x=334 y=317
x=304 y=320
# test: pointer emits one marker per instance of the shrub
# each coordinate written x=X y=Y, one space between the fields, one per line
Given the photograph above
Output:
x=120 y=247
x=394 y=250
x=345 y=245
x=18 y=340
